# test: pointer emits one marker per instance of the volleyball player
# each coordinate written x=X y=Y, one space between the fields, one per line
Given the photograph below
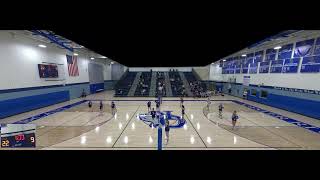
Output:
x=208 y=103
x=90 y=105
x=182 y=111
x=149 y=106
x=220 y=110
x=158 y=105
x=181 y=101
x=101 y=107
x=153 y=113
x=235 y=118
x=113 y=108
x=167 y=130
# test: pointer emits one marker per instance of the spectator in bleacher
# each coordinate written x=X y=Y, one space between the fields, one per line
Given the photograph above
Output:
x=143 y=90
x=183 y=92
x=160 y=89
x=119 y=92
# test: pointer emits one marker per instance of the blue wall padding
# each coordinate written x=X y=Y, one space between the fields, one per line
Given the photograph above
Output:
x=25 y=104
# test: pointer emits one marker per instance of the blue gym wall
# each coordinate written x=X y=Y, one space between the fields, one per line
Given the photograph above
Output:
x=302 y=103
x=16 y=101
x=21 y=88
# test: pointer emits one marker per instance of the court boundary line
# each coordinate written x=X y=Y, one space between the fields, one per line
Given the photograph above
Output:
x=204 y=100
x=60 y=125
x=218 y=147
x=63 y=108
x=48 y=113
x=254 y=126
x=281 y=117
x=100 y=124
x=234 y=133
x=126 y=126
x=196 y=131
x=274 y=132
x=258 y=109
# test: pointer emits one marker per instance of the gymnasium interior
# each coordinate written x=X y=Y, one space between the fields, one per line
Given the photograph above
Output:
x=48 y=81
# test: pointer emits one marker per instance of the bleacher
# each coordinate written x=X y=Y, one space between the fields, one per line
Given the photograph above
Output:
x=144 y=83
x=177 y=84
x=160 y=78
x=192 y=79
x=123 y=86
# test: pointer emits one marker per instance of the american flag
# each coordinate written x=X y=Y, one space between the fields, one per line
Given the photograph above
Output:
x=72 y=65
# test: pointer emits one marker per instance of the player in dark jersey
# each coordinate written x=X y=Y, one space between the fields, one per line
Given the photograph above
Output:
x=113 y=108
x=220 y=110
x=182 y=111
x=167 y=130
x=158 y=105
x=101 y=106
x=153 y=115
x=90 y=105
x=181 y=101
x=235 y=117
x=149 y=106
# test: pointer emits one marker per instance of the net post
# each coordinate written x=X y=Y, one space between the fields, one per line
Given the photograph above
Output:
x=159 y=138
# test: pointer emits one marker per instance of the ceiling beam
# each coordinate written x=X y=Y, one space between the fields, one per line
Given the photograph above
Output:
x=52 y=38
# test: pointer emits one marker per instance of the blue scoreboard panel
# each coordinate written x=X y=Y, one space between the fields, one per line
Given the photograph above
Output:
x=310 y=64
x=291 y=65
x=19 y=140
x=264 y=67
x=276 y=66
x=18 y=136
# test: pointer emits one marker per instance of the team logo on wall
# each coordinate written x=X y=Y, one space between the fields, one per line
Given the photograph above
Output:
x=174 y=120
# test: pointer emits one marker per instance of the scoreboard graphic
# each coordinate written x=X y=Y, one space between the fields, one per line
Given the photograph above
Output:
x=18 y=135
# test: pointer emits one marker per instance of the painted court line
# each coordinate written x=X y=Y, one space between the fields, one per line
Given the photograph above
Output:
x=42 y=115
x=275 y=115
x=281 y=117
x=150 y=100
x=126 y=126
